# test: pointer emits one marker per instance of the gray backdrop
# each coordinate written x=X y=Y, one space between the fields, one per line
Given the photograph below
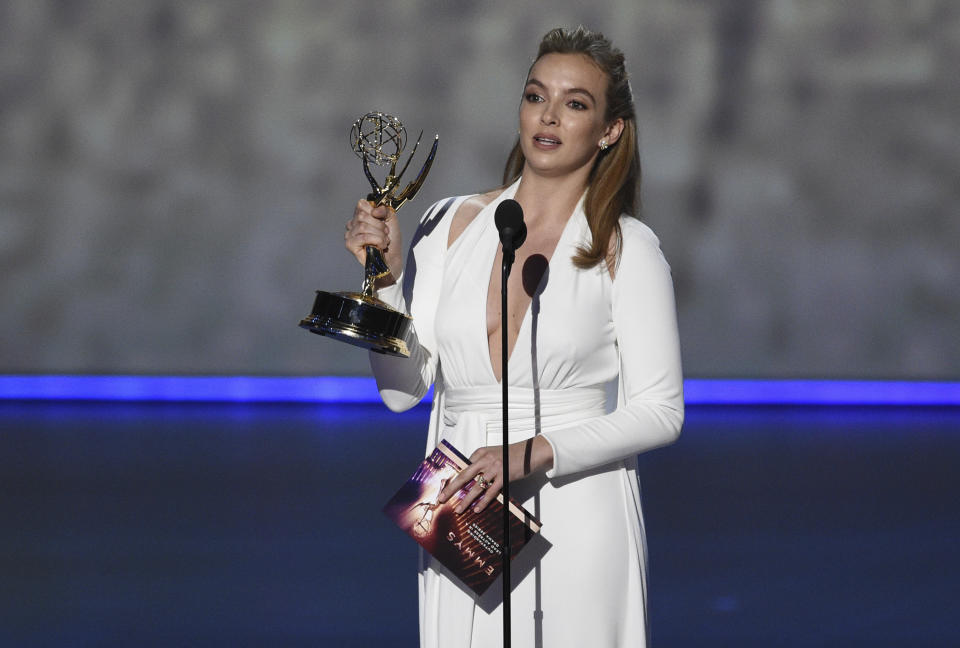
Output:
x=174 y=176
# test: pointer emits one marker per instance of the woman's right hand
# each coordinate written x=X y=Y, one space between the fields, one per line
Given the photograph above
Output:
x=377 y=226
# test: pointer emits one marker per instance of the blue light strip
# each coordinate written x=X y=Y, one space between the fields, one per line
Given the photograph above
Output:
x=341 y=389
x=821 y=392
x=237 y=389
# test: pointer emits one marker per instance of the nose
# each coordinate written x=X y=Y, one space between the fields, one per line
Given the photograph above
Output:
x=548 y=116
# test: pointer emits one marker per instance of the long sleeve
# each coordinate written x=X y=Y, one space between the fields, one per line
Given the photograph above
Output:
x=650 y=410
x=403 y=382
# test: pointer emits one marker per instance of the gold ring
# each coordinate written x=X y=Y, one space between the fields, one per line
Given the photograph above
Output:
x=484 y=484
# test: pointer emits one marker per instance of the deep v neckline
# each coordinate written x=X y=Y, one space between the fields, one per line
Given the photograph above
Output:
x=494 y=266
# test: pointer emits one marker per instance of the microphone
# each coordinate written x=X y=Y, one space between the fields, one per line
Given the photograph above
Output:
x=513 y=231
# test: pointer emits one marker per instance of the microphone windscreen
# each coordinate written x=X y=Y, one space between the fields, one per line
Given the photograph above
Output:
x=509 y=221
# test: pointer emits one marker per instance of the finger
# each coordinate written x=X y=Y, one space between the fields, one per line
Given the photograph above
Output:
x=359 y=244
x=472 y=494
x=489 y=494
x=468 y=475
x=362 y=214
x=368 y=229
x=382 y=212
x=457 y=483
x=363 y=207
x=484 y=489
x=367 y=218
x=486 y=462
x=368 y=233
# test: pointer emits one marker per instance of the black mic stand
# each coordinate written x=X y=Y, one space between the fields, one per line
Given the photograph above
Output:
x=509 y=221
x=508 y=256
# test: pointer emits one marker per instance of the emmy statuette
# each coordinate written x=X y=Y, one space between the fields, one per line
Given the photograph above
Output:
x=360 y=318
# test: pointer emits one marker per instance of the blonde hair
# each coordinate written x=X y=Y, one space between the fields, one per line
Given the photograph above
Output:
x=614 y=181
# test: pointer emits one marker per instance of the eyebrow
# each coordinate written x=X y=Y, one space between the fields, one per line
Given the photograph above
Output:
x=536 y=82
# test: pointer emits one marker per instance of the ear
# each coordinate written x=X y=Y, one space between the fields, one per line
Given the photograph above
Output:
x=613 y=131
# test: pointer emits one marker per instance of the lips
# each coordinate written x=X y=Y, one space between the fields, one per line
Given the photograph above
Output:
x=544 y=139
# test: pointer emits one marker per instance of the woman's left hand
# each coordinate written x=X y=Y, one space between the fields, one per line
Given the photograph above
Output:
x=526 y=457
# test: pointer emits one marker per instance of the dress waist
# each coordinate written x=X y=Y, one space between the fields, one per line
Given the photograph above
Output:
x=472 y=416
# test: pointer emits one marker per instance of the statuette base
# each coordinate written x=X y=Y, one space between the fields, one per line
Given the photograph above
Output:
x=359 y=320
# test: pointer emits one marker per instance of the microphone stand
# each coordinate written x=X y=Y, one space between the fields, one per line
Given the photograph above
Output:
x=509 y=222
x=508 y=256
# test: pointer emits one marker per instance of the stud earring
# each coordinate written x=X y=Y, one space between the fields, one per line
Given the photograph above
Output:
x=603 y=145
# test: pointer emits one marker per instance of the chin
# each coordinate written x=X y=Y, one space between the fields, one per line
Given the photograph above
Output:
x=554 y=168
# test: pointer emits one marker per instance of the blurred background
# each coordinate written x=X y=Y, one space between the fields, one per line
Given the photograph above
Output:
x=175 y=176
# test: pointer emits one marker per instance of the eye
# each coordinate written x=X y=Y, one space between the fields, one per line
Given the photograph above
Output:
x=533 y=97
x=578 y=105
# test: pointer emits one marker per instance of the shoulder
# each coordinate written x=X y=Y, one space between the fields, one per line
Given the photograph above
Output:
x=467 y=211
x=639 y=248
x=638 y=233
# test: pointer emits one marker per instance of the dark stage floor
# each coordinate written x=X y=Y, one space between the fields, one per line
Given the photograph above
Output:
x=260 y=525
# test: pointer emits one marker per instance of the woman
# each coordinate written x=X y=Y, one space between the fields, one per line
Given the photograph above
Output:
x=594 y=357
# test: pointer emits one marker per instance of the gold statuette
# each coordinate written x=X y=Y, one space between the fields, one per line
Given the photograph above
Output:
x=360 y=318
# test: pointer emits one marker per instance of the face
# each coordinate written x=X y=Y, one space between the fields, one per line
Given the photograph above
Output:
x=562 y=116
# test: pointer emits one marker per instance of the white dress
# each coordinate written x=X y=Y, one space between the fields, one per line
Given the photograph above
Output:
x=596 y=372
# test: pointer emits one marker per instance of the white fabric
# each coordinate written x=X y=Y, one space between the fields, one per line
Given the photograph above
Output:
x=584 y=337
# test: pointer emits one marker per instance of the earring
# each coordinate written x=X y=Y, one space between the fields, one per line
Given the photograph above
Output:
x=603 y=145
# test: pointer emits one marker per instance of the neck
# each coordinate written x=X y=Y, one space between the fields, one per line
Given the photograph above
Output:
x=548 y=199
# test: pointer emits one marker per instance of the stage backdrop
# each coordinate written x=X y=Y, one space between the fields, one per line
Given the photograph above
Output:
x=175 y=176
